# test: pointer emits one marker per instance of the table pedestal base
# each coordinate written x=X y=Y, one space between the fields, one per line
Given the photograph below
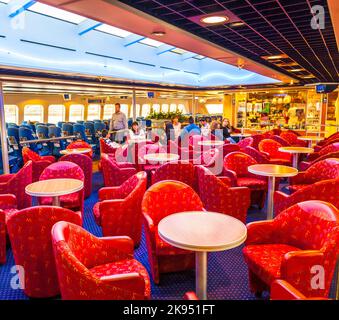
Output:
x=270 y=195
x=56 y=201
x=201 y=274
x=295 y=158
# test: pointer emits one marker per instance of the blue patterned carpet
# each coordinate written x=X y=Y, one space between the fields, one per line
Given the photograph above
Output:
x=227 y=271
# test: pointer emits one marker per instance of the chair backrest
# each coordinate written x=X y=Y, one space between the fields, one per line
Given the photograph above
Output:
x=79 y=128
x=281 y=140
x=85 y=163
x=256 y=139
x=256 y=155
x=247 y=142
x=81 y=144
x=333 y=147
x=109 y=169
x=307 y=225
x=30 y=235
x=99 y=126
x=239 y=163
x=178 y=170
x=133 y=184
x=42 y=131
x=167 y=197
x=62 y=169
x=290 y=137
x=54 y=131
x=89 y=125
x=228 y=148
x=323 y=170
x=26 y=133
x=67 y=128
x=13 y=132
x=272 y=148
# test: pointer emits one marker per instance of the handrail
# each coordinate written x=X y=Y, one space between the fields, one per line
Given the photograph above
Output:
x=47 y=140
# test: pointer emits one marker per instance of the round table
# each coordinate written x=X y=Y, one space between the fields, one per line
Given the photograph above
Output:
x=211 y=143
x=272 y=171
x=76 y=151
x=54 y=188
x=161 y=157
x=310 y=139
x=202 y=232
x=318 y=132
x=295 y=151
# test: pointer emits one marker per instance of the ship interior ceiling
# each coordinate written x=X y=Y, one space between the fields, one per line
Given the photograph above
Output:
x=200 y=136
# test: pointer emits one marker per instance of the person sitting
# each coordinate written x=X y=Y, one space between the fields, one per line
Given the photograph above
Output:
x=190 y=129
x=113 y=144
x=136 y=133
x=216 y=131
x=227 y=129
x=205 y=127
x=176 y=126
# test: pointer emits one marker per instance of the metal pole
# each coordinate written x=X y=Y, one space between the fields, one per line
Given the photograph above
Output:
x=134 y=106
x=3 y=137
x=201 y=274
x=193 y=106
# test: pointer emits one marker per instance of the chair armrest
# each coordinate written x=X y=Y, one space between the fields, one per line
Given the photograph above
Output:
x=8 y=201
x=298 y=179
x=280 y=202
x=313 y=156
x=225 y=180
x=260 y=232
x=6 y=177
x=149 y=222
x=121 y=243
x=124 y=165
x=127 y=172
x=232 y=176
x=48 y=158
x=108 y=193
x=282 y=290
x=266 y=154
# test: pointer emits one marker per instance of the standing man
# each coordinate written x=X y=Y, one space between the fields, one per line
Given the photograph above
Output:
x=118 y=125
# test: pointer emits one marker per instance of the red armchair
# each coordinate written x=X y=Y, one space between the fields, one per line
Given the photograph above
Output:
x=81 y=144
x=112 y=173
x=322 y=170
x=105 y=148
x=16 y=183
x=256 y=140
x=322 y=190
x=85 y=163
x=328 y=140
x=217 y=195
x=119 y=209
x=290 y=245
x=160 y=200
x=39 y=162
x=178 y=170
x=236 y=168
x=292 y=139
x=271 y=147
x=282 y=290
x=228 y=148
x=91 y=268
x=211 y=159
x=333 y=147
x=318 y=147
x=8 y=206
x=304 y=165
x=247 y=142
x=30 y=235
x=64 y=170
x=282 y=141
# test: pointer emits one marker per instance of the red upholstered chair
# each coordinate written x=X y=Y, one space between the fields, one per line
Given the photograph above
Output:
x=81 y=144
x=112 y=173
x=290 y=245
x=322 y=170
x=85 y=163
x=282 y=290
x=91 y=268
x=281 y=140
x=39 y=162
x=318 y=147
x=64 y=170
x=105 y=148
x=16 y=183
x=304 y=165
x=118 y=211
x=8 y=206
x=160 y=200
x=236 y=168
x=271 y=147
x=328 y=140
x=178 y=170
x=228 y=148
x=217 y=195
x=326 y=190
x=185 y=153
x=247 y=142
x=292 y=139
x=30 y=234
x=256 y=139
x=333 y=147
x=257 y=155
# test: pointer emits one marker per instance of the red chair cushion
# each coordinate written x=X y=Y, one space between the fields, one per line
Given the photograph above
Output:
x=252 y=183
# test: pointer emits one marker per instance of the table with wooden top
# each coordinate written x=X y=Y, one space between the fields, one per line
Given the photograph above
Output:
x=54 y=188
x=310 y=139
x=76 y=151
x=202 y=232
x=295 y=151
x=272 y=171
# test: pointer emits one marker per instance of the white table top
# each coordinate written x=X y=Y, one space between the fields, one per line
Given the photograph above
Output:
x=272 y=170
x=310 y=138
x=296 y=150
x=210 y=143
x=202 y=231
x=54 y=187
x=161 y=157
x=76 y=151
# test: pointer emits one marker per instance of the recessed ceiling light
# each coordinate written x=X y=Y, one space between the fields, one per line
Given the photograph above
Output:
x=308 y=77
x=158 y=33
x=275 y=57
x=297 y=70
x=237 y=24
x=214 y=19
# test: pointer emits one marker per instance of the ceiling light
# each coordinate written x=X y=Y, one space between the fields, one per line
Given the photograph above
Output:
x=297 y=70
x=275 y=57
x=309 y=77
x=237 y=24
x=158 y=33
x=214 y=19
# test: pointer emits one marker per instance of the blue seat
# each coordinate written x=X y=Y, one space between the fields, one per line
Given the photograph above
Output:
x=97 y=120
x=12 y=125
x=80 y=130
x=99 y=126
x=55 y=132
x=60 y=123
x=90 y=133
x=67 y=129
x=129 y=123
x=26 y=133
x=42 y=131
x=148 y=123
x=80 y=121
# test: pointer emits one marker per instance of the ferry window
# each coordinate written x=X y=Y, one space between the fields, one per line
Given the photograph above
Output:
x=182 y=108
x=34 y=112
x=93 y=112
x=156 y=107
x=109 y=109
x=11 y=113
x=146 y=109
x=173 y=107
x=214 y=108
x=164 y=107
x=124 y=109
x=56 y=113
x=76 y=112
